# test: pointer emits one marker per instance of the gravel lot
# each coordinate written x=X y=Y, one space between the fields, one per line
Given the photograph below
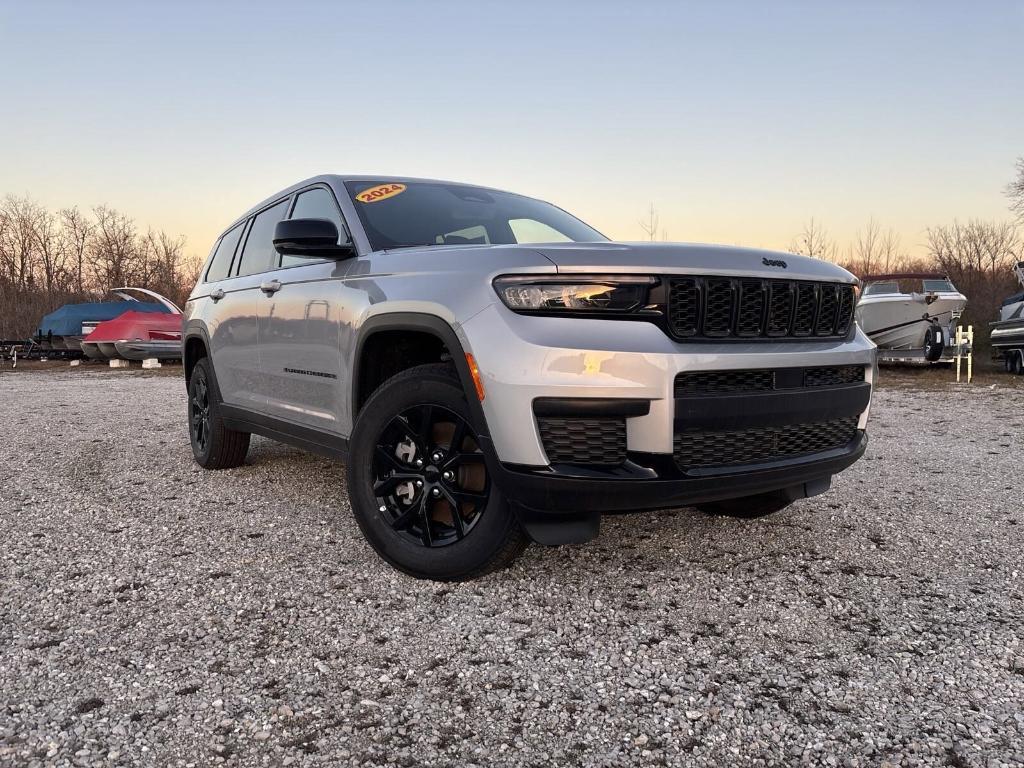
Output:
x=155 y=614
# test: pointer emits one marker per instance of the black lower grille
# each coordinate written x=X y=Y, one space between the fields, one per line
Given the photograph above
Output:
x=747 y=446
x=765 y=379
x=715 y=382
x=833 y=375
x=600 y=442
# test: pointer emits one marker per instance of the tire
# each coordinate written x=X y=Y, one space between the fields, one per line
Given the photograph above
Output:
x=933 y=343
x=1018 y=363
x=747 y=507
x=214 y=446
x=468 y=529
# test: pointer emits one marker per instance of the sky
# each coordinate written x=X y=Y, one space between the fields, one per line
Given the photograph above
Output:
x=738 y=121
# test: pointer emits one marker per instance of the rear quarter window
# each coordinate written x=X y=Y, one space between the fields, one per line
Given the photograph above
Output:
x=220 y=264
x=258 y=254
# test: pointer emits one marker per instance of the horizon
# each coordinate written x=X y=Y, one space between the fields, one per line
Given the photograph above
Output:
x=180 y=116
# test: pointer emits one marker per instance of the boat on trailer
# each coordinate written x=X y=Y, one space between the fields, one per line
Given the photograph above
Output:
x=911 y=316
x=135 y=335
x=64 y=330
x=1007 y=334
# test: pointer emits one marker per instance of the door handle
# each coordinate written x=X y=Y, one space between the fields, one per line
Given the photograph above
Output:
x=217 y=294
x=270 y=287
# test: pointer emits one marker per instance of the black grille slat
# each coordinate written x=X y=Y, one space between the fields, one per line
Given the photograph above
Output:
x=705 y=449
x=600 y=442
x=828 y=305
x=844 y=314
x=765 y=379
x=752 y=308
x=750 y=315
x=780 y=308
x=718 y=308
x=806 y=309
x=684 y=298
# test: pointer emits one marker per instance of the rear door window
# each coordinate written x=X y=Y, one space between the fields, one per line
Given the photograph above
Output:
x=258 y=254
x=220 y=264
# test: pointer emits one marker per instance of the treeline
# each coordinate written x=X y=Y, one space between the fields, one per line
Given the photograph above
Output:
x=978 y=257
x=50 y=258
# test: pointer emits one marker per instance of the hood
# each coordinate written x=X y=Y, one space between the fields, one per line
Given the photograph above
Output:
x=689 y=259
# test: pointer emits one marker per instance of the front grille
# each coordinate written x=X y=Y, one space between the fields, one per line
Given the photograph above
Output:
x=745 y=446
x=765 y=379
x=600 y=442
x=747 y=308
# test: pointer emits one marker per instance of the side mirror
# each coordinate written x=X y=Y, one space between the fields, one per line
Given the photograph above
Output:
x=310 y=237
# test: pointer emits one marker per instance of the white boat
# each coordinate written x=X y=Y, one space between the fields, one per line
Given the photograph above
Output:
x=1007 y=335
x=910 y=314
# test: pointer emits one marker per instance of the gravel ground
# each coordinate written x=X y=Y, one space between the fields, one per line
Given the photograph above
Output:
x=155 y=614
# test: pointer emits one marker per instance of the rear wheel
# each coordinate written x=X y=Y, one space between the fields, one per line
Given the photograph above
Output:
x=1018 y=362
x=419 y=485
x=213 y=444
x=748 y=506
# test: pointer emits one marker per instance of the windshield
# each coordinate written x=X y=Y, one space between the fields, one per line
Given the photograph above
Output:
x=415 y=213
x=876 y=288
x=937 y=286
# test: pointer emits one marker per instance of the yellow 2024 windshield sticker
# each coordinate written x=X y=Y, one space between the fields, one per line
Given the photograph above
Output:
x=380 y=192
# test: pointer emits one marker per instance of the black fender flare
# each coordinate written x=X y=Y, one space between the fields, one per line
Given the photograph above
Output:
x=196 y=330
x=421 y=322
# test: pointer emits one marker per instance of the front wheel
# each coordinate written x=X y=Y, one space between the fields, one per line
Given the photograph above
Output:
x=418 y=483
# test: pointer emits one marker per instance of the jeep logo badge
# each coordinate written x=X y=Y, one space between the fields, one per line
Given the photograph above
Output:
x=773 y=262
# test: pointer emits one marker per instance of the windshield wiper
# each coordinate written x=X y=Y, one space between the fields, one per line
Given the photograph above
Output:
x=410 y=245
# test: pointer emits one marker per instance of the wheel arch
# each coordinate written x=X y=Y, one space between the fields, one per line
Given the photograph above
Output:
x=195 y=346
x=414 y=323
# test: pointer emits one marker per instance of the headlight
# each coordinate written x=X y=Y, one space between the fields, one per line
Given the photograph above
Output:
x=585 y=294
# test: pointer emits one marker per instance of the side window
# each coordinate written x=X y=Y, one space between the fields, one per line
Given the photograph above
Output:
x=258 y=254
x=315 y=203
x=531 y=231
x=220 y=264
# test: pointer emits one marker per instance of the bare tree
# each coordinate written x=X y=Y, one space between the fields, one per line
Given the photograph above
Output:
x=52 y=254
x=114 y=250
x=18 y=251
x=650 y=226
x=978 y=256
x=77 y=230
x=1015 y=191
x=814 y=241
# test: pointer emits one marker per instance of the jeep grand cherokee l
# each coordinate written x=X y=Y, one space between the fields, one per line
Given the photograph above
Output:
x=494 y=371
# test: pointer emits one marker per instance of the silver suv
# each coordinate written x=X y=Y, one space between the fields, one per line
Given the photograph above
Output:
x=496 y=372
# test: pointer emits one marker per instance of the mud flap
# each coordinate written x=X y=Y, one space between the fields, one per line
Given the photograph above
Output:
x=552 y=529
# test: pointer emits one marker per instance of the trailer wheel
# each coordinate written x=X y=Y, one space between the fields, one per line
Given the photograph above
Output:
x=934 y=343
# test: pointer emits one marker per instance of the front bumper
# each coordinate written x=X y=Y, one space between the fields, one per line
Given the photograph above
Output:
x=524 y=359
x=651 y=481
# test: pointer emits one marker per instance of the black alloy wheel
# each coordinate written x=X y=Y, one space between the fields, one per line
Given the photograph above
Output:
x=214 y=445
x=199 y=414
x=429 y=476
x=418 y=483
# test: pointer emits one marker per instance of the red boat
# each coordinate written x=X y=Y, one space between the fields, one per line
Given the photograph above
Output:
x=136 y=336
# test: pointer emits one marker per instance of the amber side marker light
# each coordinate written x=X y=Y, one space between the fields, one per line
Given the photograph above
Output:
x=474 y=371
